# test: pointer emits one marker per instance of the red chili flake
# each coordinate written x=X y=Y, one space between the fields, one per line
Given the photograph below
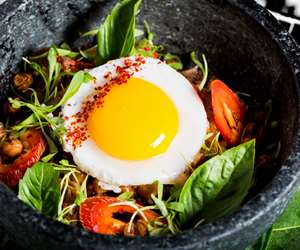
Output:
x=155 y=55
x=108 y=75
x=78 y=131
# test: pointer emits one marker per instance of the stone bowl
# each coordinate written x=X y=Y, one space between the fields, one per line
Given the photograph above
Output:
x=245 y=46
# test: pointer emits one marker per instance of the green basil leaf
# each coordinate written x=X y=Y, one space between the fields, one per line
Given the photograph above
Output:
x=79 y=78
x=176 y=206
x=115 y=37
x=216 y=182
x=39 y=188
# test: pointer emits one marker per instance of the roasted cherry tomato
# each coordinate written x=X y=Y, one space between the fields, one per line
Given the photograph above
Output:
x=228 y=112
x=34 y=146
x=96 y=214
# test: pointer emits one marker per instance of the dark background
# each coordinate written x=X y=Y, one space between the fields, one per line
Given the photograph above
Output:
x=279 y=6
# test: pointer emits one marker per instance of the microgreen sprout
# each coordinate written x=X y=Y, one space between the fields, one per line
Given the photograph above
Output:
x=202 y=66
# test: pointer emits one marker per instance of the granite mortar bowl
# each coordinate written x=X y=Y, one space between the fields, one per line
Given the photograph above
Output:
x=245 y=47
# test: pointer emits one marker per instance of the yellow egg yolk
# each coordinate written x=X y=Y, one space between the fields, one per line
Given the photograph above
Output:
x=136 y=121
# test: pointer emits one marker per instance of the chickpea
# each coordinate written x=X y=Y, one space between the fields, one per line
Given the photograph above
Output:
x=2 y=131
x=12 y=147
x=130 y=233
x=23 y=81
x=142 y=228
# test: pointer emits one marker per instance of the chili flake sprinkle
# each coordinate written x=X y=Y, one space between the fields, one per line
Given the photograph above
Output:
x=78 y=132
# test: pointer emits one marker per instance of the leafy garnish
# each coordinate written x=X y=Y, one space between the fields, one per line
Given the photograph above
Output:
x=82 y=194
x=202 y=66
x=174 y=61
x=79 y=78
x=145 y=47
x=116 y=36
x=39 y=188
x=41 y=112
x=213 y=190
x=125 y=196
x=168 y=210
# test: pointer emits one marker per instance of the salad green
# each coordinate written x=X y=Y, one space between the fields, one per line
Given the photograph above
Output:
x=39 y=188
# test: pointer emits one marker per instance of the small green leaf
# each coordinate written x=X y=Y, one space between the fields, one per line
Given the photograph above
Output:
x=64 y=162
x=92 y=32
x=39 y=188
x=82 y=194
x=89 y=54
x=68 y=53
x=125 y=196
x=52 y=60
x=79 y=78
x=219 y=185
x=161 y=205
x=116 y=35
x=174 y=61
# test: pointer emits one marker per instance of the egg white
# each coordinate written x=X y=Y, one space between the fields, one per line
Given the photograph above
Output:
x=166 y=167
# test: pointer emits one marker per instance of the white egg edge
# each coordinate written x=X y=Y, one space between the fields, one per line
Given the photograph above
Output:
x=167 y=167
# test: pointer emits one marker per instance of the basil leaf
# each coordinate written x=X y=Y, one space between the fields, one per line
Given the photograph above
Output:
x=39 y=188
x=216 y=182
x=79 y=78
x=115 y=37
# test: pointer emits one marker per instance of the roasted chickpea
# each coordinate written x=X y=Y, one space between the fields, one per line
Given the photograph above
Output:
x=130 y=232
x=12 y=147
x=23 y=81
x=141 y=227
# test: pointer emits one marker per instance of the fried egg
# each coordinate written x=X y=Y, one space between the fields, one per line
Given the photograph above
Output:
x=139 y=121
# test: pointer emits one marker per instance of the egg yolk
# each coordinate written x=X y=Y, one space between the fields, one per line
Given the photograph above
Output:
x=136 y=121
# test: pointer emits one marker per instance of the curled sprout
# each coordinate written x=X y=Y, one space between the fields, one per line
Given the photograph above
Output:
x=203 y=67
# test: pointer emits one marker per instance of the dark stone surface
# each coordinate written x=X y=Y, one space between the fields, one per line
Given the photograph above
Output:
x=245 y=47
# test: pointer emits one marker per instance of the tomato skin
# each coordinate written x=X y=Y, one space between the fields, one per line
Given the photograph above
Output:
x=228 y=112
x=11 y=174
x=96 y=215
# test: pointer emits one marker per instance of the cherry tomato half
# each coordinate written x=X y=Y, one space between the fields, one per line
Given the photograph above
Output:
x=228 y=112
x=35 y=145
x=96 y=215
